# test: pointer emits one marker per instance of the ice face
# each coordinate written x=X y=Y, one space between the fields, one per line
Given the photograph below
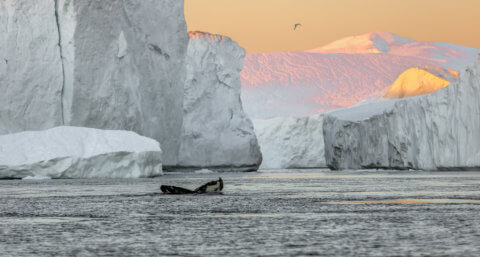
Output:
x=216 y=132
x=291 y=142
x=104 y=64
x=124 y=67
x=430 y=132
x=31 y=76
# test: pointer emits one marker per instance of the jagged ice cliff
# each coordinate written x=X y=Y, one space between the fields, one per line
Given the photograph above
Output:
x=121 y=65
x=430 y=132
x=216 y=131
x=291 y=142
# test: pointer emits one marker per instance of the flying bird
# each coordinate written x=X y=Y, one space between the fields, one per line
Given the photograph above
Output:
x=296 y=26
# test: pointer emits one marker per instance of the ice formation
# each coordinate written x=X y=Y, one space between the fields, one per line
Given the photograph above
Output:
x=216 y=132
x=36 y=178
x=445 y=55
x=291 y=142
x=415 y=82
x=104 y=64
x=298 y=142
x=204 y=171
x=342 y=74
x=74 y=152
x=123 y=67
x=374 y=42
x=430 y=132
x=31 y=76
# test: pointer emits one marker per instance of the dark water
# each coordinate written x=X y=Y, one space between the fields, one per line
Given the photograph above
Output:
x=260 y=214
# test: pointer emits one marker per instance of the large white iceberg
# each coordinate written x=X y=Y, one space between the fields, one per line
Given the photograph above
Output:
x=116 y=64
x=121 y=64
x=124 y=67
x=291 y=142
x=430 y=132
x=74 y=152
x=216 y=132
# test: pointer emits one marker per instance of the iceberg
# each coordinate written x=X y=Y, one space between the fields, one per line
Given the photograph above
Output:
x=75 y=152
x=116 y=64
x=291 y=142
x=439 y=131
x=123 y=65
x=216 y=134
x=31 y=77
x=341 y=74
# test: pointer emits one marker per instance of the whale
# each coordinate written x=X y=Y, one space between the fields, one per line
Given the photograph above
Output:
x=215 y=186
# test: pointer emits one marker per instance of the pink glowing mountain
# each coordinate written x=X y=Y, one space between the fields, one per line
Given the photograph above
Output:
x=342 y=73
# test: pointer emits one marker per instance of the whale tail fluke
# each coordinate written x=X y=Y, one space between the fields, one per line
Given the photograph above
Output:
x=210 y=187
x=175 y=190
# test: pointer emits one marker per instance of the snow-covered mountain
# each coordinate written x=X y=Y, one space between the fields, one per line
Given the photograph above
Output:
x=342 y=73
x=374 y=42
x=453 y=56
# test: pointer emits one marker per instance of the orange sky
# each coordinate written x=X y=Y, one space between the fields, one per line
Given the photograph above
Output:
x=267 y=25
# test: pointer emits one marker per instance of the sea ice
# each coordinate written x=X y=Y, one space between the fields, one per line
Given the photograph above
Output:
x=37 y=177
x=204 y=171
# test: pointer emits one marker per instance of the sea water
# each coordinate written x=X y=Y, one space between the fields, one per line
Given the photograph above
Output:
x=268 y=213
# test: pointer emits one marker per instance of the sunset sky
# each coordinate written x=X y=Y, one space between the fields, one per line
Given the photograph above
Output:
x=267 y=25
